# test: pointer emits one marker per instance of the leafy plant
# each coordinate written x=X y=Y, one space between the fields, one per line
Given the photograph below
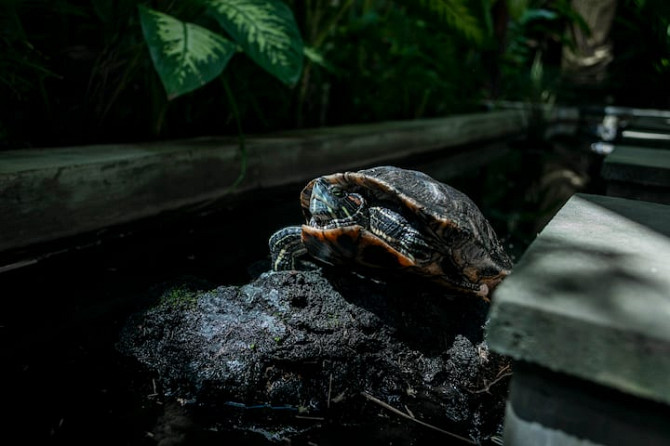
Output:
x=133 y=70
x=85 y=72
x=397 y=59
x=535 y=34
x=187 y=55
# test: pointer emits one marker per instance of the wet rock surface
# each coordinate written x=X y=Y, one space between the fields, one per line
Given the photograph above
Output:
x=320 y=358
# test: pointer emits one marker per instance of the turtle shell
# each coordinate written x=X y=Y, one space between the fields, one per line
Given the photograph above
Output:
x=464 y=251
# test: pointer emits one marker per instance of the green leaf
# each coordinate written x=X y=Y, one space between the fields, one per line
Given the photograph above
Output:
x=538 y=14
x=266 y=30
x=186 y=56
x=457 y=15
x=317 y=58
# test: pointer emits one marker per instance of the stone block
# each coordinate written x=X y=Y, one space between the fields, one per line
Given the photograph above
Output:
x=639 y=173
x=590 y=298
x=584 y=315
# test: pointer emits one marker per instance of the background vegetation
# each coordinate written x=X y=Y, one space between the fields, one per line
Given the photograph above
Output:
x=81 y=71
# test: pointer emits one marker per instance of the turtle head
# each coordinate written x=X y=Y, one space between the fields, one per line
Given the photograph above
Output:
x=332 y=206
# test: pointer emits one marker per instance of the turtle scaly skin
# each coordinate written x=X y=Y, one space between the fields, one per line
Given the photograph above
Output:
x=397 y=219
x=286 y=247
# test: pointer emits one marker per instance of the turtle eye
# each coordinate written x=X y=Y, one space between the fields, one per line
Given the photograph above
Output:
x=338 y=192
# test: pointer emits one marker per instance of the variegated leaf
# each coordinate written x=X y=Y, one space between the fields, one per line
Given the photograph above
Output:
x=266 y=30
x=186 y=56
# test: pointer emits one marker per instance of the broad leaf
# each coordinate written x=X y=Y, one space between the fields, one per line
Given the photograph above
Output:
x=186 y=56
x=266 y=30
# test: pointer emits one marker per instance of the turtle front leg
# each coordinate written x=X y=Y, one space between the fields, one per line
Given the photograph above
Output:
x=285 y=247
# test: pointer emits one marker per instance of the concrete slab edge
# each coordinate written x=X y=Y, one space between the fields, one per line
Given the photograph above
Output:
x=617 y=358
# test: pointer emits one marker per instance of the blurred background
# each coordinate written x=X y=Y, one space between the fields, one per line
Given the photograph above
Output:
x=80 y=71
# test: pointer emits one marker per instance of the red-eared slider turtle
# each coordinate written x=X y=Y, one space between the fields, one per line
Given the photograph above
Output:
x=387 y=217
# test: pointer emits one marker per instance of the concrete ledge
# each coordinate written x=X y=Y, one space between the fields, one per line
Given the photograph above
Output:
x=639 y=165
x=546 y=408
x=591 y=297
x=519 y=432
x=639 y=173
x=53 y=193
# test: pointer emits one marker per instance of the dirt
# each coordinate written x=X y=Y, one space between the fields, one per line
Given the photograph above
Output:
x=319 y=357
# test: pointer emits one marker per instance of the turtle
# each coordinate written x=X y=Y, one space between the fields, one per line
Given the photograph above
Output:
x=395 y=219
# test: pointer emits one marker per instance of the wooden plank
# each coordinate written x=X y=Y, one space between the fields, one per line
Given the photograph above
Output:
x=46 y=194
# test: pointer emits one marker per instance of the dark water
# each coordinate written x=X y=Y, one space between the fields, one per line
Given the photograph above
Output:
x=64 y=382
x=61 y=317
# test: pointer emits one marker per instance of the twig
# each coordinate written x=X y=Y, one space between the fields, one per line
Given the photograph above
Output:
x=488 y=386
x=404 y=415
x=305 y=417
x=155 y=391
x=330 y=389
